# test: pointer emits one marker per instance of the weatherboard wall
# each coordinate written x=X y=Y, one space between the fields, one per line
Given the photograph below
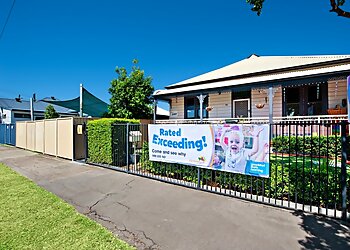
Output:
x=221 y=104
x=337 y=91
x=261 y=97
x=177 y=108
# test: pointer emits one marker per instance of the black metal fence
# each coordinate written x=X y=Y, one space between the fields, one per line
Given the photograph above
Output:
x=308 y=171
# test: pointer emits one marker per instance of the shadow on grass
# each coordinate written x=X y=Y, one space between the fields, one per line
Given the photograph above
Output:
x=323 y=232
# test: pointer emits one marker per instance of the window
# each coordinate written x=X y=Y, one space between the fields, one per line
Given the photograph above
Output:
x=192 y=108
x=314 y=98
x=241 y=103
x=19 y=115
x=292 y=100
x=241 y=94
x=305 y=100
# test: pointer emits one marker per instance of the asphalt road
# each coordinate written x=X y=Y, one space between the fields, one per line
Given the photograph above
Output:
x=154 y=215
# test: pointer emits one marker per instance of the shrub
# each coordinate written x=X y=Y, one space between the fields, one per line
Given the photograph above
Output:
x=100 y=138
x=50 y=112
x=309 y=145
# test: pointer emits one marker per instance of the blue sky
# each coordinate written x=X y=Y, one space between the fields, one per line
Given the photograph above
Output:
x=50 y=47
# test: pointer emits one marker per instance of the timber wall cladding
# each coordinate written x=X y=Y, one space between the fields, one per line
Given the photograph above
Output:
x=177 y=108
x=258 y=97
x=221 y=104
x=337 y=91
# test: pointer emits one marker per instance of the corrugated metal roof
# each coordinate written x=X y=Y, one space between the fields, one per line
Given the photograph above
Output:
x=259 y=64
x=257 y=79
x=39 y=106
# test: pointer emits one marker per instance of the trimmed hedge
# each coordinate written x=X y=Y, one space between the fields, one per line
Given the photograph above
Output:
x=100 y=138
x=309 y=145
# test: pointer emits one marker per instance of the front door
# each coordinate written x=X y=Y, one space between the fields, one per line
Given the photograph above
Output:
x=241 y=108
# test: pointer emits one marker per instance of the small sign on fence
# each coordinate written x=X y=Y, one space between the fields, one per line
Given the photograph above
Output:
x=232 y=148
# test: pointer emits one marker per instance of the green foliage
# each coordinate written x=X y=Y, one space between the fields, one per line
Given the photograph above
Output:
x=335 y=7
x=50 y=112
x=257 y=5
x=309 y=145
x=340 y=2
x=100 y=138
x=33 y=218
x=131 y=95
x=310 y=180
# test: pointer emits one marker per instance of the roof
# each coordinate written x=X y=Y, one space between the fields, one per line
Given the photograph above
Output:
x=39 y=106
x=262 y=68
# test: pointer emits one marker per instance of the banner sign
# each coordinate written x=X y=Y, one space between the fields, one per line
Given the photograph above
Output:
x=232 y=148
x=184 y=144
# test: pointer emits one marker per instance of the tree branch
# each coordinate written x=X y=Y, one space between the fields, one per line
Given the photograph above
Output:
x=338 y=10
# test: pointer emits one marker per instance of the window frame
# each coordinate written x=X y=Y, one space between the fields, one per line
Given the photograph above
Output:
x=196 y=107
x=304 y=102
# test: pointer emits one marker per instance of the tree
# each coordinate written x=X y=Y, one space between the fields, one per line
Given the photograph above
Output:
x=50 y=112
x=335 y=7
x=131 y=95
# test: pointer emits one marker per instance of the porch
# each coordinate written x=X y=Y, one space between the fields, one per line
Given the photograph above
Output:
x=323 y=125
x=243 y=120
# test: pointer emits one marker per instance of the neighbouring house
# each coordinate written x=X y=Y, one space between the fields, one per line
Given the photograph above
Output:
x=300 y=86
x=12 y=110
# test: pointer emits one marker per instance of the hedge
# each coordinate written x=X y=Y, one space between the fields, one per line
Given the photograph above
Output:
x=309 y=145
x=100 y=138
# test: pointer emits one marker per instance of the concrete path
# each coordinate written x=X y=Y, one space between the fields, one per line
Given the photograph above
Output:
x=155 y=215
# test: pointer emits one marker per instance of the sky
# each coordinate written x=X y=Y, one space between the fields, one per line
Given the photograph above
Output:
x=50 y=47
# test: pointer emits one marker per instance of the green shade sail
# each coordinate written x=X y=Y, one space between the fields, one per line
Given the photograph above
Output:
x=92 y=106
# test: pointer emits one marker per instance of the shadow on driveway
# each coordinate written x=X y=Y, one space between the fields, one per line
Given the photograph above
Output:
x=323 y=232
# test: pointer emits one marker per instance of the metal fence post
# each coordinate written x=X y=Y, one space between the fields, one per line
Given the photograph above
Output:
x=127 y=147
x=198 y=177
x=343 y=170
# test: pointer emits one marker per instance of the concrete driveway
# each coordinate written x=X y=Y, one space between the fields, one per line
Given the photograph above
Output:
x=154 y=215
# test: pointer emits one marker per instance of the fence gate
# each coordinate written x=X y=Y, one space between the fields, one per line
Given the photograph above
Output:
x=309 y=171
x=8 y=134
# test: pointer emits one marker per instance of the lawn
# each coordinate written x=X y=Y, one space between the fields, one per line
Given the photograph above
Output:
x=33 y=218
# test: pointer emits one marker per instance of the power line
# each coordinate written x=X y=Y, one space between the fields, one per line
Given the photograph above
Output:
x=7 y=19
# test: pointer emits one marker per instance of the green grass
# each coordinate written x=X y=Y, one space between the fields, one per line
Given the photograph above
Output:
x=33 y=218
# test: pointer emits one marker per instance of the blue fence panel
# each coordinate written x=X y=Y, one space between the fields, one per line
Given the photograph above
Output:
x=8 y=134
x=2 y=133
